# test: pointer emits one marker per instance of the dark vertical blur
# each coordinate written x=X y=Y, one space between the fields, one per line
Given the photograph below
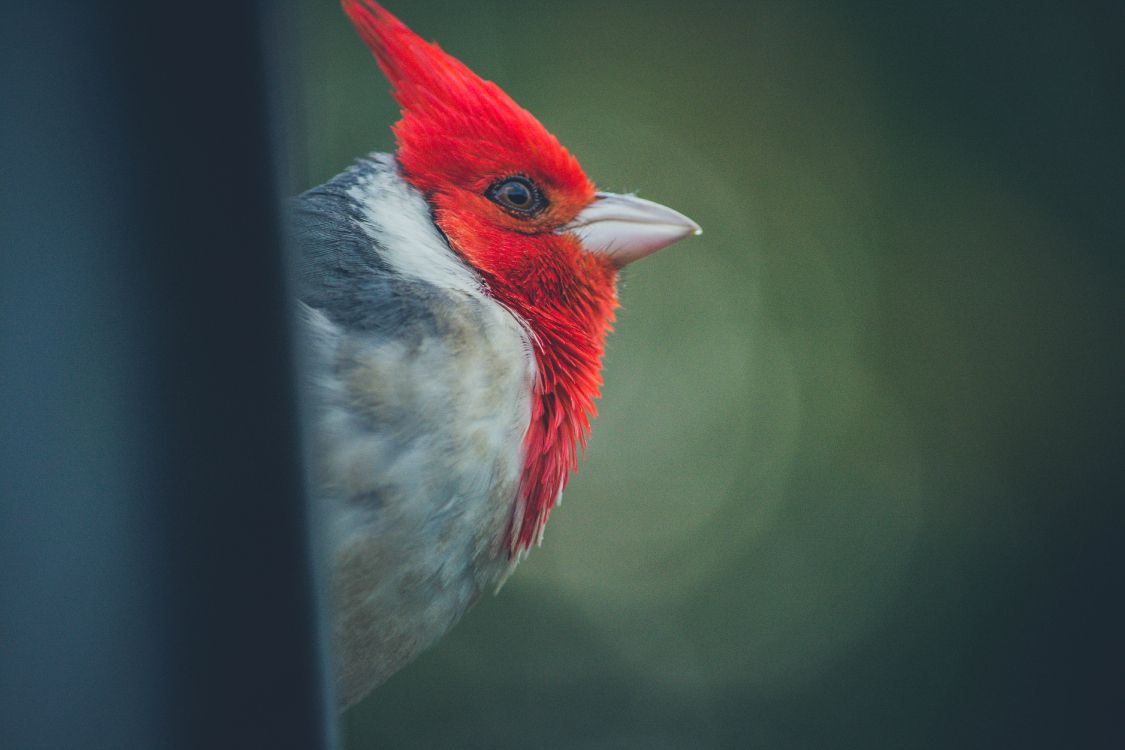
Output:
x=156 y=588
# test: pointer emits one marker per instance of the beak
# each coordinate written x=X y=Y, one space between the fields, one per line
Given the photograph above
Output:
x=626 y=228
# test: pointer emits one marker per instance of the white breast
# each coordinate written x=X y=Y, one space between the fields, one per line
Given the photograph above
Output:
x=418 y=447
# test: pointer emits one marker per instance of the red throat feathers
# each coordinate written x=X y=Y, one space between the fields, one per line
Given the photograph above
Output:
x=458 y=136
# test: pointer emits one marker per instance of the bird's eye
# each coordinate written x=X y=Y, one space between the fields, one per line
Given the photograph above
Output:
x=518 y=196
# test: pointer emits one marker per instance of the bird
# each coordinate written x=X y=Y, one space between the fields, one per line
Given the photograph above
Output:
x=454 y=298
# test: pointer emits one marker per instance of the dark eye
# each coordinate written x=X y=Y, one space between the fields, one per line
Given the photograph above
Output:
x=517 y=195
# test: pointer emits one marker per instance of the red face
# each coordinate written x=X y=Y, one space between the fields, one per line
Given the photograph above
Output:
x=501 y=186
x=504 y=204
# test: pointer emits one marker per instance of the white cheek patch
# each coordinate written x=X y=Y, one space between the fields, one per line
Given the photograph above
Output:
x=398 y=218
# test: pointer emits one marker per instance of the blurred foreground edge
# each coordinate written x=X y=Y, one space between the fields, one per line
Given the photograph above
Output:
x=156 y=589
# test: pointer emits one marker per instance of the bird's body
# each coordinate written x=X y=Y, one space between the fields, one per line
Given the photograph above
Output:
x=456 y=297
x=416 y=373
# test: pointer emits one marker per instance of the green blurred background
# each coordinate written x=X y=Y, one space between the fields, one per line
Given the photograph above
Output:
x=855 y=480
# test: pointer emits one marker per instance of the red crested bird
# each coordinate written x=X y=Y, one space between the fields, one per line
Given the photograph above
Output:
x=456 y=296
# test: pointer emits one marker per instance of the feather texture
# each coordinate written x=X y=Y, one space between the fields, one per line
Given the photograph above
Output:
x=422 y=395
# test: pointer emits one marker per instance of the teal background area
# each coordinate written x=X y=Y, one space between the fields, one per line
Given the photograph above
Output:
x=856 y=479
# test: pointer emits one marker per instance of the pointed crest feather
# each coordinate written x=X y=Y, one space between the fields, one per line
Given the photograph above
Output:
x=456 y=126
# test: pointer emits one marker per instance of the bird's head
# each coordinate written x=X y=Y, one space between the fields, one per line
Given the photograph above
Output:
x=516 y=205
